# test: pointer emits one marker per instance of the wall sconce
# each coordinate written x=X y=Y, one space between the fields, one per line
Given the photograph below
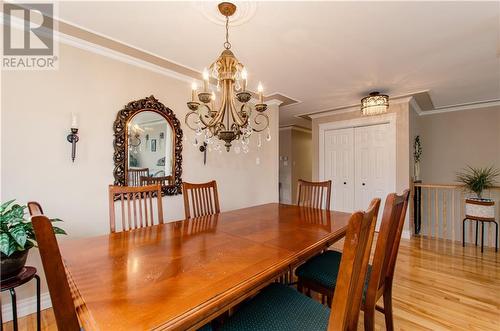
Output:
x=73 y=136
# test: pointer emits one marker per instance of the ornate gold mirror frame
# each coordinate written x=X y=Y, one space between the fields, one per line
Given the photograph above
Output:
x=120 y=143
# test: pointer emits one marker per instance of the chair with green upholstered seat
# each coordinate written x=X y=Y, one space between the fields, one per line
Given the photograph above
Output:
x=320 y=273
x=279 y=307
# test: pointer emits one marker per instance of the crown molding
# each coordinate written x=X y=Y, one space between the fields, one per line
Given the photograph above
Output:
x=404 y=99
x=295 y=127
x=460 y=107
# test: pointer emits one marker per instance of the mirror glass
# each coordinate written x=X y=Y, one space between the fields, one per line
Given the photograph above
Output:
x=150 y=157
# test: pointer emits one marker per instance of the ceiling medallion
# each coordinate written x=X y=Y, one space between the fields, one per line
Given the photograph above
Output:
x=209 y=9
x=233 y=118
x=374 y=104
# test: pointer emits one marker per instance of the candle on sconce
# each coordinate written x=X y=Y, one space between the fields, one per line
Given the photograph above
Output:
x=244 y=76
x=261 y=92
x=194 y=88
x=205 y=80
x=74 y=121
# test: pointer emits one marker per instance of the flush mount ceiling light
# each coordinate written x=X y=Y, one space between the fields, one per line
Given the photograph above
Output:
x=375 y=103
x=234 y=118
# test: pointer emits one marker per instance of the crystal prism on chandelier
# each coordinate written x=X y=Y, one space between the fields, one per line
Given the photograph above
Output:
x=233 y=119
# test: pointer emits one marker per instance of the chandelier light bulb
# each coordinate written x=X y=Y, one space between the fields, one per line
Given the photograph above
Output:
x=261 y=94
x=205 y=80
x=194 y=88
x=244 y=74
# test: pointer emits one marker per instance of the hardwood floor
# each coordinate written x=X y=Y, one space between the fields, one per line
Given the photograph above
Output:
x=438 y=286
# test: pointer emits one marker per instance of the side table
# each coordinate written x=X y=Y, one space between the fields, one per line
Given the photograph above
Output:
x=27 y=274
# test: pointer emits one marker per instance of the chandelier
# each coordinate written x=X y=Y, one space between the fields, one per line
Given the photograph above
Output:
x=374 y=104
x=233 y=118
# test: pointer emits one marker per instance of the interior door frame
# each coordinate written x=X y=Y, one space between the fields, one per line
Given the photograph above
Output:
x=389 y=118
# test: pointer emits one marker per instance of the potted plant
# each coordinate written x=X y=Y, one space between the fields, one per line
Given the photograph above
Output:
x=477 y=180
x=16 y=238
x=417 y=154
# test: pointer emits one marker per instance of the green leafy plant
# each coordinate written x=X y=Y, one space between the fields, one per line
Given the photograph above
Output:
x=478 y=179
x=417 y=149
x=16 y=232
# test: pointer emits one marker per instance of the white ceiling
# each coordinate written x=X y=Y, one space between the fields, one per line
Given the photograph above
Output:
x=325 y=54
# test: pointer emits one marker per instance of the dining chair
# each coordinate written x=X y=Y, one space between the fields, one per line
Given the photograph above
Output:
x=136 y=204
x=55 y=274
x=320 y=273
x=280 y=307
x=314 y=194
x=134 y=175
x=34 y=208
x=204 y=199
x=163 y=180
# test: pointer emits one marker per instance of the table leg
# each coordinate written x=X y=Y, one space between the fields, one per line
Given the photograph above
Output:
x=477 y=229
x=1 y=319
x=14 y=308
x=38 y=320
x=482 y=235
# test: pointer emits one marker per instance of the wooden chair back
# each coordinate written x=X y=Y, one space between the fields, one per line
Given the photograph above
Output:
x=353 y=266
x=162 y=181
x=60 y=293
x=386 y=250
x=34 y=208
x=314 y=194
x=137 y=207
x=134 y=176
x=204 y=199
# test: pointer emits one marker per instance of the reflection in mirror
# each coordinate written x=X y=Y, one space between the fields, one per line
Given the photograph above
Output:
x=150 y=150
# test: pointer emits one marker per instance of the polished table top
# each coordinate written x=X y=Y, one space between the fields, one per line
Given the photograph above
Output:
x=180 y=274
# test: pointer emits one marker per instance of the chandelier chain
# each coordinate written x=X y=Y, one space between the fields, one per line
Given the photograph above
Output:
x=227 y=44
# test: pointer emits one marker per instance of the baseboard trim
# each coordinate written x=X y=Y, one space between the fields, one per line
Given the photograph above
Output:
x=25 y=306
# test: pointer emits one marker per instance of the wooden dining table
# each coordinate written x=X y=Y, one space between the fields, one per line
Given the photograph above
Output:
x=181 y=275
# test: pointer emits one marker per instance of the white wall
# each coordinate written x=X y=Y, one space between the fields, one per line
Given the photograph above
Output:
x=35 y=156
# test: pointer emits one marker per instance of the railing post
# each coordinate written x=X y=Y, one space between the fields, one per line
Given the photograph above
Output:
x=417 y=200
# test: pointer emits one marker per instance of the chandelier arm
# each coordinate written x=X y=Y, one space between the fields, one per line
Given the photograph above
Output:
x=249 y=112
x=211 y=122
x=257 y=122
x=234 y=114
x=188 y=115
x=219 y=117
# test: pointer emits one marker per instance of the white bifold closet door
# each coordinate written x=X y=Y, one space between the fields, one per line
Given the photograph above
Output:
x=339 y=168
x=360 y=161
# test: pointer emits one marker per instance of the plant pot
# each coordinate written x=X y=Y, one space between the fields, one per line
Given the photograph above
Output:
x=480 y=208
x=416 y=171
x=12 y=265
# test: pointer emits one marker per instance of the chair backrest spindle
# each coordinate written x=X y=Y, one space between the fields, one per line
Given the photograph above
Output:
x=136 y=212
x=200 y=199
x=163 y=181
x=134 y=175
x=314 y=194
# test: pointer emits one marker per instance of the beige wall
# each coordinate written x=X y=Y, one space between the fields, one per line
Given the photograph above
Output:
x=451 y=141
x=35 y=156
x=285 y=170
x=301 y=158
x=296 y=146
